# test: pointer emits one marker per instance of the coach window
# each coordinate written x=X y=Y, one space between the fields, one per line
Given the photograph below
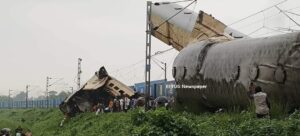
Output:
x=184 y=72
x=237 y=73
x=117 y=88
x=111 y=85
x=174 y=72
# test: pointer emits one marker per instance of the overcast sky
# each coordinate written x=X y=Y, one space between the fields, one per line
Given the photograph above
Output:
x=40 y=38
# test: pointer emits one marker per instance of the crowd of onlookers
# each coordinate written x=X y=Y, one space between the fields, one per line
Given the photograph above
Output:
x=113 y=105
x=18 y=131
x=123 y=104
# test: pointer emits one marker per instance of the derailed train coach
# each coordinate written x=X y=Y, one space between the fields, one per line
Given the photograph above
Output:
x=216 y=64
x=226 y=70
x=100 y=88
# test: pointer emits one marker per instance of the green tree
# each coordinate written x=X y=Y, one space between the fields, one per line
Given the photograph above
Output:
x=20 y=97
x=52 y=94
x=63 y=94
x=4 y=98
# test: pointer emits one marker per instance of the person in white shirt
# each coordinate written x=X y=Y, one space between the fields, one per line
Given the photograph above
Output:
x=127 y=103
x=262 y=105
x=121 y=104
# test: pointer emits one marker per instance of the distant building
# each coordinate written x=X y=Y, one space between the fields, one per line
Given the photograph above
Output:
x=157 y=88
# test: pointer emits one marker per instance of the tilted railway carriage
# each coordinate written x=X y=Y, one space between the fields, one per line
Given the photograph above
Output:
x=216 y=63
x=227 y=68
x=100 y=88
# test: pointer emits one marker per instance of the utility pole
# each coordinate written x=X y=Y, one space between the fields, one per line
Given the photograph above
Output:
x=79 y=73
x=148 y=55
x=165 y=69
x=10 y=105
x=47 y=88
x=47 y=91
x=27 y=86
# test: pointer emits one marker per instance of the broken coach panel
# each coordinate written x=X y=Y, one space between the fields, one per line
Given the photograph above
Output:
x=187 y=26
x=100 y=88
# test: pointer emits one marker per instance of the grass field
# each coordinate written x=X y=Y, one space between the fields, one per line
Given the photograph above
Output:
x=45 y=122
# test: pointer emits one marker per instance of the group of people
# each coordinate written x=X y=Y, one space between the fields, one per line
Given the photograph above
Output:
x=118 y=104
x=123 y=104
x=113 y=105
x=18 y=131
x=261 y=102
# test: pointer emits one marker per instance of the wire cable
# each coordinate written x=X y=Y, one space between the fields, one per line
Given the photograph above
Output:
x=260 y=28
x=157 y=64
x=257 y=13
x=274 y=30
x=293 y=8
x=60 y=79
x=142 y=60
x=190 y=18
x=292 y=13
x=287 y=16
x=172 y=2
x=161 y=52
x=260 y=20
x=158 y=60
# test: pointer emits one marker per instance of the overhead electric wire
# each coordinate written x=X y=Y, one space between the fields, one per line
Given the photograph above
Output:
x=287 y=16
x=287 y=29
x=274 y=30
x=264 y=34
x=136 y=76
x=161 y=52
x=260 y=20
x=263 y=11
x=257 y=13
x=260 y=28
x=142 y=60
x=292 y=13
x=155 y=61
x=131 y=70
x=293 y=8
x=128 y=66
x=59 y=79
x=190 y=18
x=174 y=2
x=130 y=73
x=158 y=60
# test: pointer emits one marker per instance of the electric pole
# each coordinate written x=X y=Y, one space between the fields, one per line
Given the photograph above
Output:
x=79 y=73
x=27 y=86
x=10 y=105
x=47 y=91
x=165 y=69
x=148 y=55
